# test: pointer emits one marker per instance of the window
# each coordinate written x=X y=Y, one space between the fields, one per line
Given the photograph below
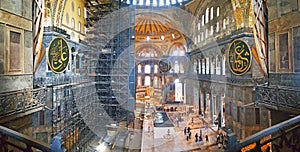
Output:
x=207 y=66
x=14 y=51
x=139 y=68
x=73 y=23
x=218 y=68
x=202 y=36
x=154 y=2
x=211 y=13
x=257 y=116
x=198 y=38
x=155 y=68
x=202 y=20
x=206 y=15
x=85 y=13
x=218 y=11
x=161 y=3
x=139 y=81
x=224 y=23
x=155 y=82
x=79 y=11
x=72 y=6
x=199 y=26
x=195 y=40
x=223 y=65
x=284 y=59
x=212 y=68
x=147 y=69
x=147 y=2
x=206 y=33
x=79 y=26
x=203 y=66
x=141 y=2
x=217 y=27
x=195 y=66
x=147 y=81
x=211 y=30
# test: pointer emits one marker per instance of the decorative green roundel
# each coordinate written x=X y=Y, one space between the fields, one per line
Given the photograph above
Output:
x=58 y=55
x=164 y=65
x=239 y=57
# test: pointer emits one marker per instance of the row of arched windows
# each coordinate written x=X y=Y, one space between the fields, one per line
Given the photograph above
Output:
x=211 y=65
x=146 y=81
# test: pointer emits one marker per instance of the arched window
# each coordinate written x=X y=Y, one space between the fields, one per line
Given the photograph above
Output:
x=217 y=27
x=195 y=66
x=218 y=11
x=139 y=68
x=147 y=69
x=206 y=33
x=79 y=27
x=218 y=67
x=224 y=23
x=147 y=81
x=207 y=65
x=155 y=82
x=211 y=13
x=139 y=81
x=212 y=66
x=73 y=23
x=203 y=66
x=202 y=20
x=79 y=11
x=206 y=15
x=211 y=30
x=155 y=68
x=223 y=65
x=199 y=66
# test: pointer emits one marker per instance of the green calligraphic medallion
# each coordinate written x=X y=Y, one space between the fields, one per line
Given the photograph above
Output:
x=58 y=55
x=164 y=65
x=239 y=57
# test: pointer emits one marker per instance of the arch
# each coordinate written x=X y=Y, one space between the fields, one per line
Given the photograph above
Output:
x=177 y=49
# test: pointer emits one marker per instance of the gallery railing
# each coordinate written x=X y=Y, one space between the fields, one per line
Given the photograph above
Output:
x=11 y=140
x=278 y=98
x=22 y=100
x=283 y=136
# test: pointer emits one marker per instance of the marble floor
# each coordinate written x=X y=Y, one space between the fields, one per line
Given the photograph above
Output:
x=172 y=139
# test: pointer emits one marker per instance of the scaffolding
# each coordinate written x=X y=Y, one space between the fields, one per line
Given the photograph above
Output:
x=115 y=66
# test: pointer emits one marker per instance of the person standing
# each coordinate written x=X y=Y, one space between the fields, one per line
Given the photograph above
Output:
x=184 y=130
x=206 y=138
x=187 y=136
x=196 y=136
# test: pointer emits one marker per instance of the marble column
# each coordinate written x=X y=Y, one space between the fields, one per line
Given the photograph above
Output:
x=212 y=108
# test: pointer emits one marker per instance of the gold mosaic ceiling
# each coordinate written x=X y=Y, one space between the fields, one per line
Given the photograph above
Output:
x=156 y=27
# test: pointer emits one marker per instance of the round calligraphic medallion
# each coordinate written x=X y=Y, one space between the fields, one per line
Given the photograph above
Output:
x=164 y=65
x=58 y=55
x=239 y=57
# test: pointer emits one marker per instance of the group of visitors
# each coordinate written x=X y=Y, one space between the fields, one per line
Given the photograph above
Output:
x=198 y=137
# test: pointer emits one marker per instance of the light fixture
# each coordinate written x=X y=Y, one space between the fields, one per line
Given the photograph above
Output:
x=162 y=37
x=148 y=38
x=173 y=36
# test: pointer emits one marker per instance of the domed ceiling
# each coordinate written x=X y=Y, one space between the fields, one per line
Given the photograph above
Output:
x=155 y=27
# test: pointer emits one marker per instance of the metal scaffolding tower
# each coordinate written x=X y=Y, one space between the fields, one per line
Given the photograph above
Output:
x=115 y=67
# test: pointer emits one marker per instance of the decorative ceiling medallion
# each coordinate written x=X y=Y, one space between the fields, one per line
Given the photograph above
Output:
x=58 y=55
x=164 y=65
x=239 y=57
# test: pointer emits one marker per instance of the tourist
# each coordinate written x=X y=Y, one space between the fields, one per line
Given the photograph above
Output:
x=196 y=136
x=184 y=130
x=187 y=136
x=206 y=137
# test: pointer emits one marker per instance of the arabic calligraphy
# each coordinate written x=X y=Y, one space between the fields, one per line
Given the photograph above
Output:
x=58 y=55
x=239 y=57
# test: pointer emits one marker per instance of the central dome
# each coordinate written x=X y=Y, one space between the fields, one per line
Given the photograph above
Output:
x=155 y=27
